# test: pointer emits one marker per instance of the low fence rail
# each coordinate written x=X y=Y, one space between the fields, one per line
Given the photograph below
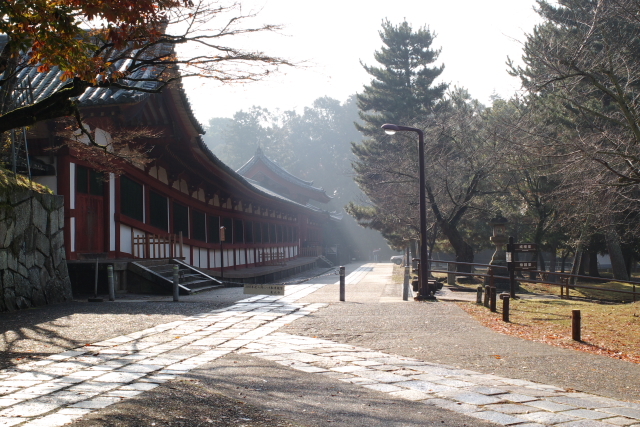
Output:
x=565 y=279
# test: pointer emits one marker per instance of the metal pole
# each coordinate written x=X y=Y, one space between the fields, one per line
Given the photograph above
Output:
x=342 y=284
x=407 y=283
x=176 y=282
x=512 y=271
x=95 y=287
x=425 y=291
x=112 y=288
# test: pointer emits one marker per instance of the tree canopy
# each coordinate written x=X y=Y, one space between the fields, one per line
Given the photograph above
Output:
x=120 y=44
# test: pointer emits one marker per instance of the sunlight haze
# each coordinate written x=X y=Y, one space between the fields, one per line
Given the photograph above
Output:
x=331 y=37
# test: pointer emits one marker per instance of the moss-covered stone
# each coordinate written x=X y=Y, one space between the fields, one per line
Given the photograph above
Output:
x=33 y=270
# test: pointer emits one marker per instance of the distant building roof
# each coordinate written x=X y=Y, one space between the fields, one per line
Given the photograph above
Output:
x=248 y=169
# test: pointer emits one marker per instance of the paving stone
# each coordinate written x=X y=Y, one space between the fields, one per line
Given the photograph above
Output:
x=625 y=412
x=489 y=391
x=620 y=421
x=548 y=417
x=30 y=407
x=97 y=402
x=463 y=408
x=380 y=376
x=4 y=402
x=454 y=383
x=141 y=368
x=428 y=387
x=550 y=406
x=410 y=395
x=510 y=408
x=118 y=377
x=139 y=386
x=123 y=393
x=588 y=414
x=386 y=388
x=529 y=391
x=580 y=402
x=7 y=390
x=517 y=398
x=585 y=423
x=53 y=420
x=350 y=368
x=310 y=369
x=359 y=381
x=10 y=421
x=19 y=384
x=496 y=417
x=470 y=397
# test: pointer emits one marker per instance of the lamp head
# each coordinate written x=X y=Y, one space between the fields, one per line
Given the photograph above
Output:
x=390 y=129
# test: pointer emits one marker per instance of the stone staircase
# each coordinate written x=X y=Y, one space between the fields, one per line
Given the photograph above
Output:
x=325 y=260
x=160 y=272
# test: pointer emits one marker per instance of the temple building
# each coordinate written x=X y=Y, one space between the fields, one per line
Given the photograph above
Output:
x=185 y=204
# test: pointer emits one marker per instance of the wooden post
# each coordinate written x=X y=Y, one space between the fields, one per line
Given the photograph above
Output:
x=112 y=288
x=492 y=303
x=479 y=296
x=133 y=244
x=505 y=308
x=575 y=325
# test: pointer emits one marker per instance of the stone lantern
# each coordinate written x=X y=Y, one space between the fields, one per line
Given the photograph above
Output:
x=500 y=239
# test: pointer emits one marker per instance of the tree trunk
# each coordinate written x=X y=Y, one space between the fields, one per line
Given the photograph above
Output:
x=464 y=251
x=552 y=265
x=584 y=264
x=565 y=255
x=615 y=253
x=593 y=264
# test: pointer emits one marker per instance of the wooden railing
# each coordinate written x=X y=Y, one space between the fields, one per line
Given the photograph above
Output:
x=271 y=258
x=562 y=280
x=150 y=245
x=311 y=251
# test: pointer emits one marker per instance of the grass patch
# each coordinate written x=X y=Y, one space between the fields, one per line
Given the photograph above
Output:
x=608 y=329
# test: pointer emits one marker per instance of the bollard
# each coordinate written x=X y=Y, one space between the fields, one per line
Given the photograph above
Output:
x=575 y=325
x=505 y=308
x=486 y=296
x=479 y=296
x=112 y=288
x=342 y=284
x=176 y=282
x=406 y=284
x=492 y=303
x=95 y=289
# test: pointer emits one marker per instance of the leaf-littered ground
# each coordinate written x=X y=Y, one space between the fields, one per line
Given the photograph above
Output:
x=608 y=329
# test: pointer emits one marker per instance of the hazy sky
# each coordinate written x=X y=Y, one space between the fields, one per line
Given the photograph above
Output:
x=334 y=36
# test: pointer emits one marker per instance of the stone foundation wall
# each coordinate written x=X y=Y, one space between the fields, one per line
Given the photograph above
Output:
x=33 y=270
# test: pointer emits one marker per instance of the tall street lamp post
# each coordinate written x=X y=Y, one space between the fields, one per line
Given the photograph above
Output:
x=425 y=292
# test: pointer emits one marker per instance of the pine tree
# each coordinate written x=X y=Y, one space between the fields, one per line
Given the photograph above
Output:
x=402 y=91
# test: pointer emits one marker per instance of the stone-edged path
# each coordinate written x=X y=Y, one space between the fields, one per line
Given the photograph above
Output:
x=66 y=386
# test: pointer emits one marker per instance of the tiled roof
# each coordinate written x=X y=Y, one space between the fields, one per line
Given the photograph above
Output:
x=280 y=171
x=45 y=84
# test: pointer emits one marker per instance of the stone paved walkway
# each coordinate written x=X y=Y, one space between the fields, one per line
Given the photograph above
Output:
x=66 y=386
